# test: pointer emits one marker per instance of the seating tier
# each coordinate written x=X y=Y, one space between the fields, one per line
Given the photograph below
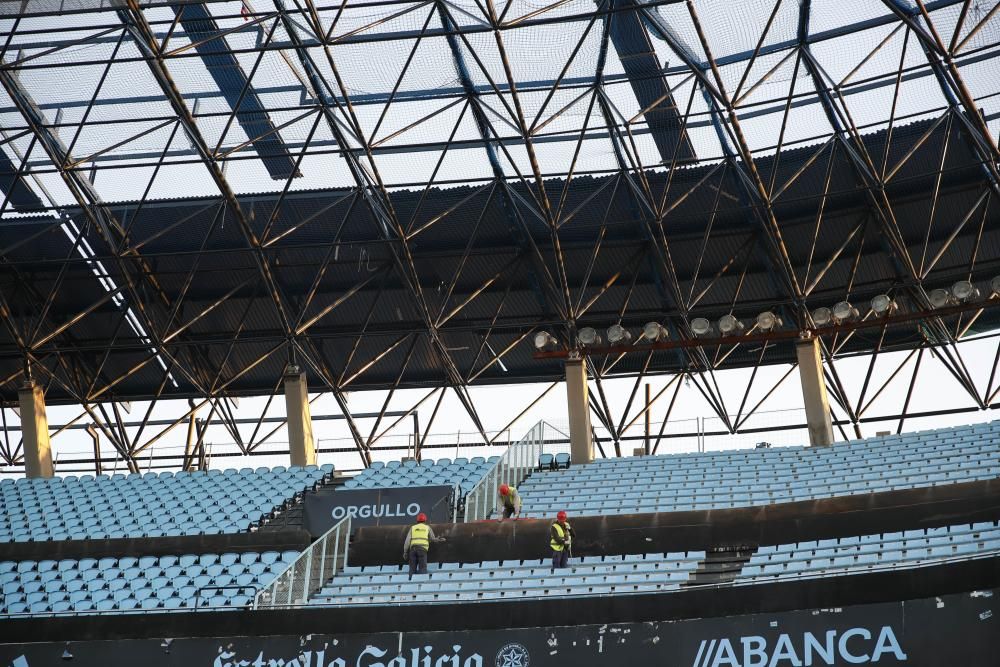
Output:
x=138 y=584
x=147 y=505
x=721 y=480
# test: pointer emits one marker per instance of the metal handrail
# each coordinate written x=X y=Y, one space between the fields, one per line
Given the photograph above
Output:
x=517 y=461
x=307 y=573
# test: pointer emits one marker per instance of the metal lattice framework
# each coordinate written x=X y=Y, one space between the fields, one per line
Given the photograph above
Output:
x=399 y=194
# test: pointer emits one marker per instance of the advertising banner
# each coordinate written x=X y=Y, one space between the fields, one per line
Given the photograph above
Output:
x=950 y=630
x=377 y=507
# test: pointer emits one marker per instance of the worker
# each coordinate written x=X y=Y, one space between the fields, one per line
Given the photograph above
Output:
x=511 y=501
x=418 y=541
x=561 y=540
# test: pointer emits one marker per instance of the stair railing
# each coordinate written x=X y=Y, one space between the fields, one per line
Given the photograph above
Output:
x=307 y=573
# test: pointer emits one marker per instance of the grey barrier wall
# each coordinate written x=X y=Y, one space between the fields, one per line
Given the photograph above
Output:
x=958 y=629
x=387 y=506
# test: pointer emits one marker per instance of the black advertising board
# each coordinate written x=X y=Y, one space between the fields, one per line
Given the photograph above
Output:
x=959 y=629
x=377 y=507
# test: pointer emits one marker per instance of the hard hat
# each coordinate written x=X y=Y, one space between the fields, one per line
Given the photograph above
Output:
x=421 y=518
x=504 y=489
x=561 y=516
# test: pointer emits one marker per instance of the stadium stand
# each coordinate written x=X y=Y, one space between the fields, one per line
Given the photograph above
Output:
x=850 y=555
x=461 y=472
x=171 y=505
x=520 y=580
x=718 y=480
x=147 y=505
x=217 y=581
x=656 y=572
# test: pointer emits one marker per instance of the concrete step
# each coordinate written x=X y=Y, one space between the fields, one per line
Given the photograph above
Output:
x=720 y=566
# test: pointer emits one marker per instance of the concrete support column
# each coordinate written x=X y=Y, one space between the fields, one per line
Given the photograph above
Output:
x=35 y=431
x=581 y=441
x=814 y=392
x=301 y=447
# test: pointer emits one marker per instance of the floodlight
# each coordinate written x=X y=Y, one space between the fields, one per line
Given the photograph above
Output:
x=729 y=325
x=767 y=321
x=700 y=326
x=653 y=331
x=843 y=311
x=544 y=339
x=995 y=286
x=882 y=304
x=588 y=336
x=618 y=334
x=964 y=290
x=939 y=298
x=822 y=316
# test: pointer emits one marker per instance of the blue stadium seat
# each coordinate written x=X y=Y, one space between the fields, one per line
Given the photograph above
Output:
x=147 y=505
x=752 y=477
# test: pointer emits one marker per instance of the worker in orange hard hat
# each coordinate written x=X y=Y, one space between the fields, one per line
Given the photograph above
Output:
x=511 y=501
x=561 y=540
x=418 y=542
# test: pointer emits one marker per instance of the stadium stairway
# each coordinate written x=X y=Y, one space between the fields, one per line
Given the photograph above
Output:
x=290 y=515
x=720 y=566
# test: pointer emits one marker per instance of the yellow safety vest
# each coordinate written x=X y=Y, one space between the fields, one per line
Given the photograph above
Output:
x=562 y=533
x=419 y=535
x=508 y=500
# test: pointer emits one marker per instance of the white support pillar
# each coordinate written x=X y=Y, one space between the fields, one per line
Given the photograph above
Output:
x=35 y=431
x=301 y=448
x=581 y=441
x=814 y=392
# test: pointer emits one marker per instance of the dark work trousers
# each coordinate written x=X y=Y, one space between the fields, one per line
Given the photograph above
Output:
x=560 y=558
x=418 y=560
x=508 y=511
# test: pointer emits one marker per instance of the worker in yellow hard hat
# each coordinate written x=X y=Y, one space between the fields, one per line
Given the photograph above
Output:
x=561 y=540
x=511 y=501
x=418 y=542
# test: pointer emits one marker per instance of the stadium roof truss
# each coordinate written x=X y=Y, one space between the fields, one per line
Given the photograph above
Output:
x=400 y=194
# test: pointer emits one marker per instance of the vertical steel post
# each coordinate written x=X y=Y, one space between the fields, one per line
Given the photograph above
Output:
x=646 y=441
x=580 y=432
x=347 y=541
x=35 y=431
x=309 y=574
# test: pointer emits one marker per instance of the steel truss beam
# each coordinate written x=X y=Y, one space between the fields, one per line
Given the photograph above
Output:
x=373 y=192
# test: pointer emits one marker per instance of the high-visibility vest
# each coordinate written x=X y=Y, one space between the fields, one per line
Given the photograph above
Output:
x=508 y=500
x=419 y=535
x=562 y=533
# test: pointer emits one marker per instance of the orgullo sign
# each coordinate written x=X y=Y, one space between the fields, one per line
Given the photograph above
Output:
x=956 y=630
x=377 y=507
